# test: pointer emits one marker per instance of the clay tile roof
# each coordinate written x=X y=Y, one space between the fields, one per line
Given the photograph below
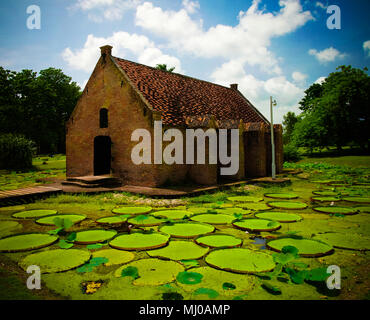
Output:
x=186 y=101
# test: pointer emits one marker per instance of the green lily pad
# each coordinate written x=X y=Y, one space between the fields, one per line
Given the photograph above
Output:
x=150 y=221
x=26 y=242
x=306 y=247
x=287 y=205
x=172 y=214
x=232 y=211
x=279 y=216
x=365 y=209
x=212 y=294
x=49 y=220
x=325 y=193
x=12 y=208
x=188 y=277
x=113 y=220
x=114 y=256
x=213 y=218
x=240 y=260
x=333 y=210
x=132 y=210
x=187 y=229
x=180 y=250
x=8 y=226
x=219 y=240
x=94 y=236
x=153 y=272
x=258 y=225
x=198 y=210
x=245 y=199
x=31 y=214
x=255 y=206
x=357 y=199
x=139 y=241
x=57 y=260
x=281 y=195
x=351 y=241
x=325 y=199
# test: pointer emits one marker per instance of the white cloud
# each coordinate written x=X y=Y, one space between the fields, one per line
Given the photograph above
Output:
x=366 y=47
x=123 y=43
x=320 y=5
x=299 y=77
x=190 y=6
x=98 y=10
x=327 y=55
x=320 y=80
x=249 y=39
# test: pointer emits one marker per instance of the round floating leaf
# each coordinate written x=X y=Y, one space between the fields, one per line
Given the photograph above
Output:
x=114 y=256
x=212 y=294
x=245 y=199
x=7 y=226
x=322 y=181
x=240 y=260
x=279 y=216
x=325 y=193
x=219 y=240
x=12 y=208
x=352 y=241
x=26 y=241
x=172 y=214
x=325 y=199
x=287 y=205
x=56 y=260
x=232 y=211
x=132 y=210
x=31 y=214
x=281 y=195
x=94 y=236
x=258 y=225
x=213 y=218
x=187 y=229
x=228 y=286
x=187 y=277
x=180 y=250
x=197 y=210
x=365 y=209
x=153 y=272
x=357 y=199
x=333 y=210
x=49 y=220
x=255 y=206
x=139 y=241
x=113 y=220
x=306 y=247
x=150 y=221
x=129 y=271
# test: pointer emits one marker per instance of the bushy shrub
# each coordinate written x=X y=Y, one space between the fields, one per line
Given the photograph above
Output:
x=15 y=152
x=291 y=153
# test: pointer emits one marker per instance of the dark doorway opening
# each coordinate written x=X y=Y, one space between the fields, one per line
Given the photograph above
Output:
x=102 y=155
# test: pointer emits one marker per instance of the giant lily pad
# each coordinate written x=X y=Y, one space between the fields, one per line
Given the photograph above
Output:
x=279 y=216
x=153 y=272
x=8 y=226
x=333 y=210
x=258 y=225
x=357 y=199
x=31 y=214
x=172 y=214
x=26 y=242
x=56 y=260
x=306 y=247
x=255 y=206
x=363 y=209
x=180 y=250
x=12 y=208
x=139 y=241
x=113 y=220
x=245 y=199
x=114 y=256
x=325 y=193
x=213 y=218
x=149 y=221
x=132 y=210
x=94 y=236
x=232 y=211
x=325 y=199
x=49 y=220
x=287 y=205
x=351 y=240
x=219 y=240
x=197 y=210
x=240 y=260
x=187 y=229
x=281 y=195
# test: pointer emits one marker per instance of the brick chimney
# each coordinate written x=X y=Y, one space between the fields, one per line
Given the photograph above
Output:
x=106 y=50
x=234 y=86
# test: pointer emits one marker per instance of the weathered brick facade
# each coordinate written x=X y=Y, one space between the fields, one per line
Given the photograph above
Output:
x=128 y=109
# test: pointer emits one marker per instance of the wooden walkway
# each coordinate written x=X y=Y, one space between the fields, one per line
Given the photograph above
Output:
x=27 y=193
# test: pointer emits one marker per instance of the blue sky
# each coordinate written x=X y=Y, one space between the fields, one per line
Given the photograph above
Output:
x=268 y=47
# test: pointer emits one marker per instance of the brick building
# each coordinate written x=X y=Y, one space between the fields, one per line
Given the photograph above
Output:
x=122 y=96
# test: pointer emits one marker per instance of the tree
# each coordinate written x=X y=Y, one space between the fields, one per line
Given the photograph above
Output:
x=289 y=121
x=163 y=67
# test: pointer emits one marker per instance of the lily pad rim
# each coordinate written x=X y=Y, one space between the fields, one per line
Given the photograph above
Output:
x=25 y=233
x=254 y=230
x=29 y=218
x=57 y=215
x=141 y=248
x=284 y=208
x=187 y=222
x=326 y=212
x=218 y=234
x=94 y=229
x=283 y=198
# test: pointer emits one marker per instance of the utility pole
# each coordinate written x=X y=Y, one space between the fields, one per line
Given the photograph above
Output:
x=273 y=166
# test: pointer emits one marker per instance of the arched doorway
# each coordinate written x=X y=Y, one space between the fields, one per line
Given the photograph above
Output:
x=102 y=155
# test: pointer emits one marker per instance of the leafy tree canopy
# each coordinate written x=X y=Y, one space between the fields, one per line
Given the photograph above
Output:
x=163 y=67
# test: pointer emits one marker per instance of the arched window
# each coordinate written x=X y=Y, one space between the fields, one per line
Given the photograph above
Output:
x=103 y=118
